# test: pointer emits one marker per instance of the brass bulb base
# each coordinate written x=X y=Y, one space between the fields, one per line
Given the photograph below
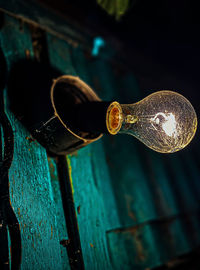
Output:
x=114 y=118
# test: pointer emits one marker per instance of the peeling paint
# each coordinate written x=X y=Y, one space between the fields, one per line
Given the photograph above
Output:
x=18 y=211
x=129 y=201
x=91 y=245
x=65 y=242
x=27 y=53
x=30 y=139
x=79 y=209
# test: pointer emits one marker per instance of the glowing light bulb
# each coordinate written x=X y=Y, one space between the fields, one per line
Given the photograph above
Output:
x=165 y=121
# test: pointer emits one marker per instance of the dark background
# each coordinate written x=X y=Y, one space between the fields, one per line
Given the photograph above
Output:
x=161 y=39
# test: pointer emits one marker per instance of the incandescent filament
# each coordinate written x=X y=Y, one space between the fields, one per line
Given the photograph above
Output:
x=131 y=119
x=166 y=121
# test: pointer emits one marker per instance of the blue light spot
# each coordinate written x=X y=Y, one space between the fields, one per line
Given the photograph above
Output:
x=97 y=44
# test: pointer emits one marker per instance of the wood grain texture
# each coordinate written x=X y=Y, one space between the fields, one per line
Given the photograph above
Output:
x=144 y=190
x=135 y=209
x=128 y=178
x=60 y=217
x=34 y=12
x=30 y=184
x=88 y=172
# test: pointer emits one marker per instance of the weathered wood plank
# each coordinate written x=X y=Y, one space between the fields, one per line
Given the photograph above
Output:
x=60 y=55
x=142 y=186
x=30 y=184
x=60 y=217
x=34 y=12
x=88 y=172
x=128 y=178
x=131 y=205
x=133 y=248
x=91 y=211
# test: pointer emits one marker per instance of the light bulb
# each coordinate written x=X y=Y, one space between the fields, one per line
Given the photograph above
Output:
x=165 y=121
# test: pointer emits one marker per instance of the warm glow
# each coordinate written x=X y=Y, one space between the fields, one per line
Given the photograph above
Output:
x=167 y=122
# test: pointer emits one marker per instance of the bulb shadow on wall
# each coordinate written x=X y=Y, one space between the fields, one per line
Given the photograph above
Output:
x=29 y=85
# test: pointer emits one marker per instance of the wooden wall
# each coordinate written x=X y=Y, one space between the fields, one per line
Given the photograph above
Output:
x=135 y=209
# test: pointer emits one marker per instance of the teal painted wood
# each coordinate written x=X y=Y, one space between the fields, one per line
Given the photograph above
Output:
x=129 y=181
x=133 y=248
x=102 y=179
x=143 y=189
x=149 y=244
x=33 y=11
x=88 y=172
x=60 y=58
x=187 y=200
x=158 y=181
x=92 y=216
x=149 y=198
x=60 y=217
x=30 y=184
x=60 y=55
x=136 y=209
x=165 y=193
x=131 y=190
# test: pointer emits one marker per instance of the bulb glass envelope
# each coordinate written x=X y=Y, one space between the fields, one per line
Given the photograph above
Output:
x=165 y=121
